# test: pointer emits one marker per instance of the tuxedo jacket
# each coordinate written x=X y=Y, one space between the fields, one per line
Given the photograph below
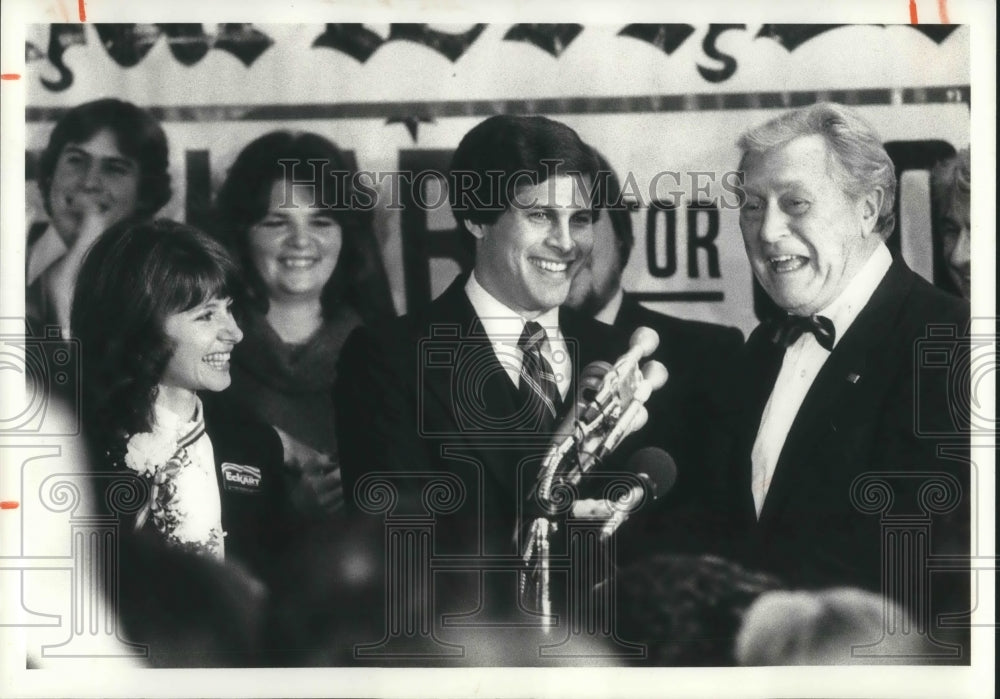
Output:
x=425 y=397
x=880 y=417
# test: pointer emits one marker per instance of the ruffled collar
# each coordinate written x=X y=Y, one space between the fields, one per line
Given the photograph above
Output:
x=182 y=431
x=147 y=452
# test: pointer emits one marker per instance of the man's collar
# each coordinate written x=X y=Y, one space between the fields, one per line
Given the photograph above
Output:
x=846 y=307
x=500 y=322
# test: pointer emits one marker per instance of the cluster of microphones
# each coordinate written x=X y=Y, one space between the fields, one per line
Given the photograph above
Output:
x=610 y=406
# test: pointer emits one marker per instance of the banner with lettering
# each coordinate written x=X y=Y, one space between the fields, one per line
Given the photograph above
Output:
x=665 y=103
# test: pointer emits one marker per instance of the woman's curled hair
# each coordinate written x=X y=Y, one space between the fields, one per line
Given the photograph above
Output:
x=131 y=280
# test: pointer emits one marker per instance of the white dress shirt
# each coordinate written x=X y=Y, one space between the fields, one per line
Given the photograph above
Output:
x=45 y=252
x=503 y=327
x=801 y=364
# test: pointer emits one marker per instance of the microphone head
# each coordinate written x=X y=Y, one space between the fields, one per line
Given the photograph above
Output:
x=655 y=374
x=589 y=388
x=646 y=339
x=591 y=377
x=657 y=466
x=642 y=391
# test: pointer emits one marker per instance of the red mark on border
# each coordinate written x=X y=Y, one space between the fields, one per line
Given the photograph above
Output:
x=943 y=11
x=9 y=505
x=10 y=76
x=913 y=10
x=83 y=11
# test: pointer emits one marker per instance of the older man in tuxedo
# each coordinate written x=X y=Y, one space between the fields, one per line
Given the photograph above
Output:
x=834 y=405
x=469 y=391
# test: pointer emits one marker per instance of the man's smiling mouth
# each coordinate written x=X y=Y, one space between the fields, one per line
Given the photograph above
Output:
x=549 y=265
x=787 y=263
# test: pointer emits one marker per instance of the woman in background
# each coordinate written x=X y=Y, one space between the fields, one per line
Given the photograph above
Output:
x=314 y=273
x=153 y=316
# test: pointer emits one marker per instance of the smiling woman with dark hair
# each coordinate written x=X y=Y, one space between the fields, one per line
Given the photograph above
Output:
x=313 y=273
x=153 y=316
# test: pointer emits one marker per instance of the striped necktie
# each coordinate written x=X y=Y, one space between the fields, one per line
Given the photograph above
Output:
x=536 y=372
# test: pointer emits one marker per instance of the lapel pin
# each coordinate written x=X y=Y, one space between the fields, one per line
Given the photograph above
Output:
x=853 y=378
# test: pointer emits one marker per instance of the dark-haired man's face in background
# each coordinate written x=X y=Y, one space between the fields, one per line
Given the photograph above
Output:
x=92 y=178
x=956 y=245
x=805 y=236
x=527 y=258
x=600 y=275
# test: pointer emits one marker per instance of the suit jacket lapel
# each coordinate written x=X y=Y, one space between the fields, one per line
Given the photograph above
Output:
x=494 y=394
x=831 y=393
x=454 y=310
x=763 y=362
x=847 y=374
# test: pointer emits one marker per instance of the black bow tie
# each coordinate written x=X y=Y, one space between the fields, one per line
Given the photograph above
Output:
x=789 y=329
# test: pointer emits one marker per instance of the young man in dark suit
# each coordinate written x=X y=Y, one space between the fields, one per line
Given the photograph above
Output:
x=842 y=426
x=467 y=393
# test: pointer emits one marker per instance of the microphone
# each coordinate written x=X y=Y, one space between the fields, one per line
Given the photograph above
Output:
x=590 y=384
x=658 y=472
x=584 y=411
x=601 y=419
x=654 y=376
x=655 y=466
x=643 y=343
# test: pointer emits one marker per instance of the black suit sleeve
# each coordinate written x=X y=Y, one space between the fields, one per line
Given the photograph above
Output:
x=376 y=407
